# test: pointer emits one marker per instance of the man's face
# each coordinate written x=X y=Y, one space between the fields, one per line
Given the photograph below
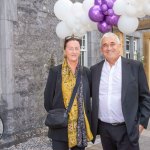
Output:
x=110 y=48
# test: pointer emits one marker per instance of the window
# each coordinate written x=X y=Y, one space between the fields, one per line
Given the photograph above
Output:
x=128 y=55
x=127 y=47
x=127 y=44
x=135 y=44
x=135 y=48
x=83 y=55
x=132 y=47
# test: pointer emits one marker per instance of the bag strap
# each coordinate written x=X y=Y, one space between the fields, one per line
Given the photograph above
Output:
x=74 y=91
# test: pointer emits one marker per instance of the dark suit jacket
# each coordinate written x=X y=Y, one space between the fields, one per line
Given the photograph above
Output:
x=135 y=96
x=53 y=98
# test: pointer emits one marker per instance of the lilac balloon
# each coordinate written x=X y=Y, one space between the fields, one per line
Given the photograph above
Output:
x=104 y=7
x=112 y=20
x=110 y=12
x=109 y=3
x=95 y=13
x=105 y=13
x=104 y=27
x=98 y=2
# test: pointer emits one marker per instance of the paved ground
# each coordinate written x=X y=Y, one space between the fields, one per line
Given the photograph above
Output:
x=144 y=142
x=43 y=143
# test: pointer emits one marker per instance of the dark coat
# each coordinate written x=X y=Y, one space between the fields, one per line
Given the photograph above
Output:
x=53 y=98
x=135 y=96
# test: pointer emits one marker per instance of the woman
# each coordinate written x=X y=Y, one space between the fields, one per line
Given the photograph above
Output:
x=58 y=91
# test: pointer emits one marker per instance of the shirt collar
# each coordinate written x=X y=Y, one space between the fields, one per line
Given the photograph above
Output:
x=118 y=62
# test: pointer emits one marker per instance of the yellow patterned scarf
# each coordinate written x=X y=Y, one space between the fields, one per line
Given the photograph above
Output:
x=68 y=83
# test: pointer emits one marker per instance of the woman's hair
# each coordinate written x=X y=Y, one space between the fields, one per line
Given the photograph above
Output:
x=72 y=38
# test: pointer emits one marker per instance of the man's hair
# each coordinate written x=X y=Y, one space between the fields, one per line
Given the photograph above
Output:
x=109 y=34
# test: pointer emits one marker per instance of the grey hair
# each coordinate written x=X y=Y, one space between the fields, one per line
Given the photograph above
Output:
x=109 y=34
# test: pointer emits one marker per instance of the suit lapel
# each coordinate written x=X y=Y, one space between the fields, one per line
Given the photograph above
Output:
x=97 y=80
x=125 y=77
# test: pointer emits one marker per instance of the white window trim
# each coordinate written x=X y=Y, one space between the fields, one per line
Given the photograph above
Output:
x=84 y=49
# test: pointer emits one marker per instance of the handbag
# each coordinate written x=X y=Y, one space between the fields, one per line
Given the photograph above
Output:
x=58 y=118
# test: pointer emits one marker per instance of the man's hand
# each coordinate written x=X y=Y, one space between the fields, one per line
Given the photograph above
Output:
x=141 y=128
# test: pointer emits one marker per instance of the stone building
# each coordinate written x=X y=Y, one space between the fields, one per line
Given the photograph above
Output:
x=27 y=42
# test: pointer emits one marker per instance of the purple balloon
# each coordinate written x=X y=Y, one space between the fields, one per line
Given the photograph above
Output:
x=95 y=13
x=98 y=2
x=104 y=27
x=104 y=7
x=105 y=13
x=110 y=12
x=112 y=20
x=109 y=3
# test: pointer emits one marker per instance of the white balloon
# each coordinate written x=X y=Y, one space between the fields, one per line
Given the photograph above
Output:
x=77 y=9
x=119 y=7
x=139 y=10
x=131 y=10
x=62 y=8
x=87 y=23
x=79 y=30
x=128 y=24
x=71 y=20
x=62 y=30
x=147 y=7
x=88 y=28
x=87 y=4
x=131 y=2
x=84 y=19
x=140 y=14
x=140 y=1
x=93 y=25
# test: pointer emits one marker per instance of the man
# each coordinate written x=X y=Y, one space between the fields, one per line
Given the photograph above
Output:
x=120 y=98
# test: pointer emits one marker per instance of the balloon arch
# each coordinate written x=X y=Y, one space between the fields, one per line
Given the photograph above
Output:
x=78 y=18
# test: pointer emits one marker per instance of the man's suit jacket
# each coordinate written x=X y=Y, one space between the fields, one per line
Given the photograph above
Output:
x=135 y=96
x=53 y=98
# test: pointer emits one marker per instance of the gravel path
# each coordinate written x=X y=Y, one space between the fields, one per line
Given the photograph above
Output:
x=39 y=143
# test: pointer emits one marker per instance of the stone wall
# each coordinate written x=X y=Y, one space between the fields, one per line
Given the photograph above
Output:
x=33 y=42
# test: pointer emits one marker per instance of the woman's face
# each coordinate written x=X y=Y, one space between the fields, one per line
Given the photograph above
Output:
x=72 y=51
